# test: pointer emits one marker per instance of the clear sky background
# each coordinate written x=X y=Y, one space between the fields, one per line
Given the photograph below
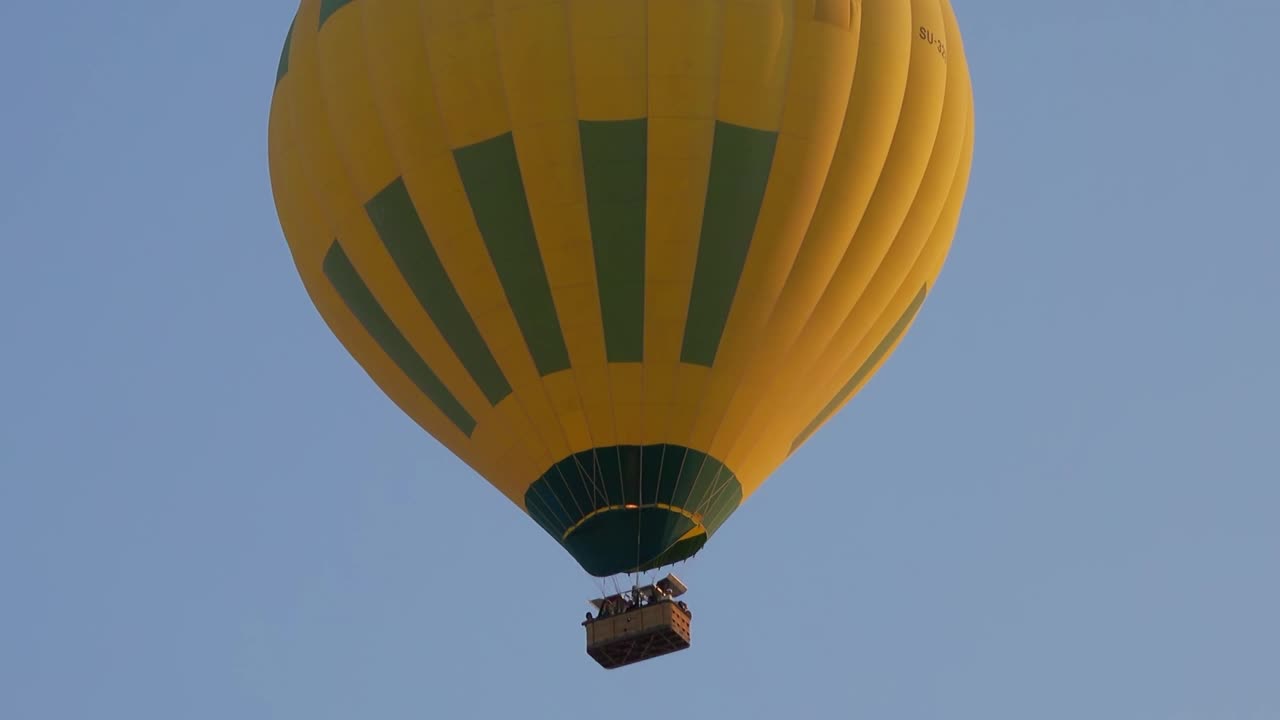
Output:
x=1058 y=500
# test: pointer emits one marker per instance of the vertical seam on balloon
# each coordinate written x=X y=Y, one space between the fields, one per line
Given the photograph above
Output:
x=648 y=198
x=759 y=407
x=689 y=311
x=910 y=273
x=955 y=176
x=771 y=313
x=570 y=369
x=589 y=481
x=400 y=174
x=515 y=151
x=554 y=462
x=921 y=253
x=644 y=242
x=700 y=406
x=343 y=161
x=551 y=461
x=915 y=196
x=959 y=179
x=567 y=17
x=429 y=71
x=835 y=375
x=648 y=112
x=329 y=220
x=782 y=108
x=681 y=368
x=363 y=203
x=768 y=322
x=644 y=246
x=317 y=195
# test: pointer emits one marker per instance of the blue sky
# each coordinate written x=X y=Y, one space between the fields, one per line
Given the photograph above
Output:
x=1059 y=500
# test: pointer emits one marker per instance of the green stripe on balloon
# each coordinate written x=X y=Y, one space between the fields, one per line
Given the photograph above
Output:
x=283 y=68
x=400 y=228
x=491 y=177
x=741 y=159
x=614 y=160
x=328 y=8
x=361 y=302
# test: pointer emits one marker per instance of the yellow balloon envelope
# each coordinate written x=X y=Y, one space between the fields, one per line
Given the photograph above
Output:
x=622 y=257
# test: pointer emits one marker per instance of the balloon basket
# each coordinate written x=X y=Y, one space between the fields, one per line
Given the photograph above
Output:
x=645 y=623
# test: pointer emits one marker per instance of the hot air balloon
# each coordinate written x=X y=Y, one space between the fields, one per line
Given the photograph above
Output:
x=621 y=257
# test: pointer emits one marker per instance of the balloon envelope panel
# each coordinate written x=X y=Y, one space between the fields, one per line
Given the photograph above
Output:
x=622 y=258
